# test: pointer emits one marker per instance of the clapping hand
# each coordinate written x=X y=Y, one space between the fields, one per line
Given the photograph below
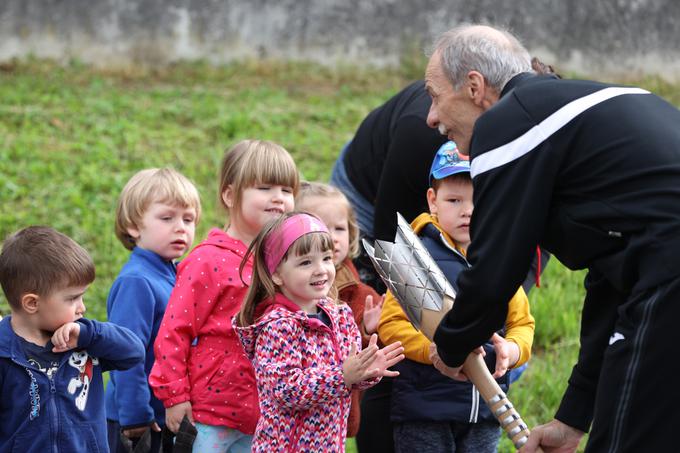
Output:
x=372 y=310
x=371 y=362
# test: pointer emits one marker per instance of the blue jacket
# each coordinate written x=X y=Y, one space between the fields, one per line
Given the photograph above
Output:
x=137 y=300
x=420 y=392
x=64 y=414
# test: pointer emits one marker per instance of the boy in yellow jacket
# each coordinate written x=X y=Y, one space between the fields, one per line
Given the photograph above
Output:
x=431 y=412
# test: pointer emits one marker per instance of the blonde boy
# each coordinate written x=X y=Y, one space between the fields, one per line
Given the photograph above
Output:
x=51 y=358
x=156 y=219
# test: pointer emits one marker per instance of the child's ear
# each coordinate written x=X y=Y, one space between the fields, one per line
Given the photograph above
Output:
x=133 y=231
x=431 y=197
x=276 y=278
x=228 y=197
x=29 y=302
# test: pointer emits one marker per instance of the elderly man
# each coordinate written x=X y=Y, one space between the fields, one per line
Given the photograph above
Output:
x=592 y=173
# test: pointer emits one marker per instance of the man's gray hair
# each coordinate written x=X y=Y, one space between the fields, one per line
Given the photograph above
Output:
x=469 y=47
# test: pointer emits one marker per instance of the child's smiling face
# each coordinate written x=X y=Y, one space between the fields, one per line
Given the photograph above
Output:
x=304 y=279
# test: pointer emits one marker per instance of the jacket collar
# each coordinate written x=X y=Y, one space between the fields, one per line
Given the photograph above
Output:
x=157 y=262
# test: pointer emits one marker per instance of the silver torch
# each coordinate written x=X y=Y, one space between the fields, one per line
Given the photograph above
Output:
x=425 y=295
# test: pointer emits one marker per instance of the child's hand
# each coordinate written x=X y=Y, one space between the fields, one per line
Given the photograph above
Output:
x=175 y=414
x=371 y=362
x=507 y=354
x=66 y=337
x=455 y=373
x=372 y=314
x=136 y=433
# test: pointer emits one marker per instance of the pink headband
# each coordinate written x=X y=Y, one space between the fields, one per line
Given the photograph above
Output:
x=280 y=240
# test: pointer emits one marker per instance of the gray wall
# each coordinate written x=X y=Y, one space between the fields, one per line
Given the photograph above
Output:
x=612 y=37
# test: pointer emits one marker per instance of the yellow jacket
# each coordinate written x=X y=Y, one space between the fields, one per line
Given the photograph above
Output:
x=395 y=326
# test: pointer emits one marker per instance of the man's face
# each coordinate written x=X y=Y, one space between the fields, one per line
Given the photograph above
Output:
x=453 y=112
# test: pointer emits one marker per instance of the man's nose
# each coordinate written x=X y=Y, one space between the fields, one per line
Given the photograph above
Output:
x=432 y=118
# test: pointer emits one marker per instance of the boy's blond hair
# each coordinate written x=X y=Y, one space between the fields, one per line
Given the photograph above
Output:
x=250 y=162
x=319 y=189
x=152 y=185
x=41 y=260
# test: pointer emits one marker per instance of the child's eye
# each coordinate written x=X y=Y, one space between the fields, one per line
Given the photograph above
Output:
x=189 y=219
x=340 y=229
x=328 y=257
x=305 y=262
x=263 y=187
x=288 y=189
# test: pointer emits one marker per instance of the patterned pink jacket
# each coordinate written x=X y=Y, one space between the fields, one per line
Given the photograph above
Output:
x=304 y=402
x=198 y=356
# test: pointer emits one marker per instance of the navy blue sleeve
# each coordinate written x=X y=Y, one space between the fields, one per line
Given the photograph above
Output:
x=131 y=304
x=117 y=348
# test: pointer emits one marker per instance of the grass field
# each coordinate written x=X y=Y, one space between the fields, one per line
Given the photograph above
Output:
x=71 y=136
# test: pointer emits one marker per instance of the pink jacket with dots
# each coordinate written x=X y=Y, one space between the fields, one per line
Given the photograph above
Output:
x=198 y=356
x=304 y=402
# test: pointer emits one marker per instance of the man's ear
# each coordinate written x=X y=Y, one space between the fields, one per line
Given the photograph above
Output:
x=431 y=196
x=30 y=302
x=481 y=94
x=228 y=197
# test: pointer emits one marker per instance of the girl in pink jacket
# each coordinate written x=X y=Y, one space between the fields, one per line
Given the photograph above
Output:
x=303 y=346
x=200 y=370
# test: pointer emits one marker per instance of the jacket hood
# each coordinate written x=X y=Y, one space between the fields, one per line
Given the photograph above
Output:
x=270 y=310
x=6 y=337
x=425 y=219
x=220 y=238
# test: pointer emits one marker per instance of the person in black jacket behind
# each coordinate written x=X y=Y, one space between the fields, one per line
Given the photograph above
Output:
x=592 y=173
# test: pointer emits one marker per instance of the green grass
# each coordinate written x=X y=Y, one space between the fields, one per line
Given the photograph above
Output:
x=70 y=137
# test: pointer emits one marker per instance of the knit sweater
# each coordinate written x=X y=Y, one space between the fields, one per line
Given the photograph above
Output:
x=304 y=402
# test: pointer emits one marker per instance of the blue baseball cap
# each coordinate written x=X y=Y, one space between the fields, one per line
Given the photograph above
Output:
x=448 y=161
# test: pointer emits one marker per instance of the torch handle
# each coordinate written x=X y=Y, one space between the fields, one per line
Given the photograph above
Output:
x=501 y=407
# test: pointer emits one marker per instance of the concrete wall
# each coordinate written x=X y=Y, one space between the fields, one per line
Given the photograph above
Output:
x=616 y=37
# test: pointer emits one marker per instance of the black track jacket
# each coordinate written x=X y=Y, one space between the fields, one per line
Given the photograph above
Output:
x=589 y=171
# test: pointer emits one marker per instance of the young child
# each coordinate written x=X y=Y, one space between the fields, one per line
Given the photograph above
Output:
x=200 y=369
x=156 y=218
x=303 y=345
x=332 y=207
x=430 y=411
x=51 y=358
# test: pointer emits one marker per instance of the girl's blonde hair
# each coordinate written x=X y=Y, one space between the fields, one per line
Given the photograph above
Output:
x=250 y=162
x=152 y=185
x=262 y=286
x=319 y=189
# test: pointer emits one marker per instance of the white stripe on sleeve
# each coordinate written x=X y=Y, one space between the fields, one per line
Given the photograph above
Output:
x=536 y=135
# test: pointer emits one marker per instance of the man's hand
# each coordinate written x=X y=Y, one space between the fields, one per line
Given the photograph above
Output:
x=66 y=337
x=175 y=414
x=507 y=354
x=456 y=373
x=136 y=433
x=553 y=437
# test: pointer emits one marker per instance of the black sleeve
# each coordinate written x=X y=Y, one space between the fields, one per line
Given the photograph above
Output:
x=405 y=177
x=512 y=202
x=597 y=323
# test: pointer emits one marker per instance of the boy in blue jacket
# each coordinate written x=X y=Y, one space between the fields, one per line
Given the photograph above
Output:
x=156 y=219
x=51 y=358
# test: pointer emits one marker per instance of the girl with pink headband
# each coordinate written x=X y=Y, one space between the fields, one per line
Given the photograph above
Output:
x=303 y=346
